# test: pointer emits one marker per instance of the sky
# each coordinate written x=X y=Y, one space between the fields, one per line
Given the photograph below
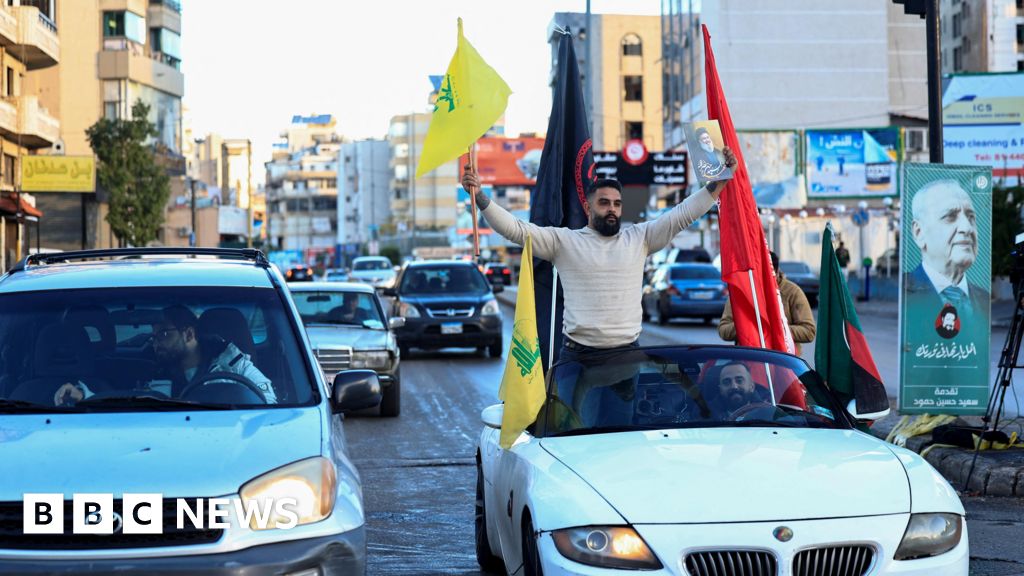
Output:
x=250 y=65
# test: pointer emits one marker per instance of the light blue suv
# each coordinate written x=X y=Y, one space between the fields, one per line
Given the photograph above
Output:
x=183 y=376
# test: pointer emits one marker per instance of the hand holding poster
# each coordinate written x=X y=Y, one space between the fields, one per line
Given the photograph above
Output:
x=704 y=141
x=945 y=310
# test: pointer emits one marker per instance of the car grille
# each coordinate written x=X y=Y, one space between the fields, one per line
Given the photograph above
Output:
x=333 y=360
x=450 y=312
x=731 y=563
x=834 y=561
x=12 y=538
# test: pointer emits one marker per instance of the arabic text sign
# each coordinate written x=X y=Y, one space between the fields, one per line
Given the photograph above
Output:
x=983 y=122
x=945 y=292
x=852 y=162
x=660 y=169
x=58 y=174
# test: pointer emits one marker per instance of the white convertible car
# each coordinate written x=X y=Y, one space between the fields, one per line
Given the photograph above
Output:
x=707 y=461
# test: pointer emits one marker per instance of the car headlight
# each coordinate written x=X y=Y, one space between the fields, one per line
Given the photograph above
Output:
x=309 y=483
x=374 y=360
x=930 y=535
x=491 y=309
x=605 y=546
x=408 y=310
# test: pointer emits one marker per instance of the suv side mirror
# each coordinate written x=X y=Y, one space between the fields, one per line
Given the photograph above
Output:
x=355 y=390
x=396 y=322
x=389 y=292
x=497 y=288
x=852 y=409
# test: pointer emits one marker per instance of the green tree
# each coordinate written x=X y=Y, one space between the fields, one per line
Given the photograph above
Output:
x=1006 y=224
x=138 y=187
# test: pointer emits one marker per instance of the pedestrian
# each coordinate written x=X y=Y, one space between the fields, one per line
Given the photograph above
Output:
x=842 y=255
x=601 y=266
x=794 y=305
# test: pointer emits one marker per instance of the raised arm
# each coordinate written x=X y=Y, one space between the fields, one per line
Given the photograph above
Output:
x=545 y=239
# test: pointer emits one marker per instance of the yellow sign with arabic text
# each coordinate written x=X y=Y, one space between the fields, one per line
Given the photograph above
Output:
x=58 y=174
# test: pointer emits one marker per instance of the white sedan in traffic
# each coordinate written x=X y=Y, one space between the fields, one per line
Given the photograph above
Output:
x=707 y=461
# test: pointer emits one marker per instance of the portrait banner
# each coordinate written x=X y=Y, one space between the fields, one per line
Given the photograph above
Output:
x=945 y=289
x=704 y=142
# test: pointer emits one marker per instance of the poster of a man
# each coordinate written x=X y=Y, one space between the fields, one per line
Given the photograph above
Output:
x=946 y=257
x=704 y=141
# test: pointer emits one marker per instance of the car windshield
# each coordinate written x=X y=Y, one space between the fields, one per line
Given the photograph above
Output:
x=794 y=268
x=443 y=280
x=347 y=308
x=371 y=265
x=150 y=348
x=674 y=387
x=692 y=256
x=695 y=273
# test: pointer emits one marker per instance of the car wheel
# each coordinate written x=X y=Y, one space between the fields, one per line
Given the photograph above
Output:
x=487 y=561
x=495 y=349
x=391 y=399
x=531 y=556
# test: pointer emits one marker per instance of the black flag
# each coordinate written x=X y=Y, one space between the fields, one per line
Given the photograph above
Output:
x=566 y=169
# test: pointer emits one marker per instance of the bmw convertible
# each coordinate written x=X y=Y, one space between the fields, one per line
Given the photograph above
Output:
x=707 y=461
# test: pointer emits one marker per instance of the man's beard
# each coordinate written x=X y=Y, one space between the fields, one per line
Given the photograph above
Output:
x=603 y=227
x=736 y=399
x=709 y=148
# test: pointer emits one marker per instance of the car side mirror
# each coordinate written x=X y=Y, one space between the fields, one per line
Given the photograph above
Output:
x=389 y=292
x=852 y=409
x=355 y=390
x=491 y=416
x=497 y=288
x=396 y=322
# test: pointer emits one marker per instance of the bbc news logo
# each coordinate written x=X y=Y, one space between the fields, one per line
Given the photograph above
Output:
x=144 y=513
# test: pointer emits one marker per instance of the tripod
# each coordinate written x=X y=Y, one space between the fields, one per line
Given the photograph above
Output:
x=1004 y=376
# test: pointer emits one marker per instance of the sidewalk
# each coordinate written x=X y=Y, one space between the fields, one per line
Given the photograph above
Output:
x=996 y=473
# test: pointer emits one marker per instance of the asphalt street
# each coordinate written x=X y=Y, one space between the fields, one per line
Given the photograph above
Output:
x=418 y=469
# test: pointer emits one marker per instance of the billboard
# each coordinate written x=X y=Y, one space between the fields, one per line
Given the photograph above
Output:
x=506 y=161
x=58 y=174
x=772 y=165
x=658 y=169
x=852 y=162
x=945 y=289
x=983 y=122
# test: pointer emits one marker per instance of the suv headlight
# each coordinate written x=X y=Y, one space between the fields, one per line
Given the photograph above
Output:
x=490 y=309
x=930 y=535
x=408 y=310
x=372 y=360
x=310 y=484
x=606 y=546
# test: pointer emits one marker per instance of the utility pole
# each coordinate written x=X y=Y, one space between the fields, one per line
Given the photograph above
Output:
x=412 y=174
x=929 y=10
x=248 y=180
x=589 y=86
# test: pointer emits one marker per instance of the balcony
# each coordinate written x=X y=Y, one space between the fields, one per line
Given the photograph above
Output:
x=296 y=175
x=8 y=28
x=123 y=59
x=8 y=120
x=165 y=14
x=24 y=121
x=37 y=46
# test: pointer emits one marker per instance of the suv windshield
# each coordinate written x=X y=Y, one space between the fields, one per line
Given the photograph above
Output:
x=338 y=308
x=655 y=388
x=150 y=348
x=443 y=280
x=695 y=273
x=371 y=265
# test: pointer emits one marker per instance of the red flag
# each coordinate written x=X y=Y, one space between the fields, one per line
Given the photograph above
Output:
x=746 y=265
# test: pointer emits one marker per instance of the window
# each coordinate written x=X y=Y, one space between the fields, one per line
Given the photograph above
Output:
x=110 y=110
x=401 y=150
x=956 y=25
x=632 y=45
x=634 y=87
x=325 y=203
x=10 y=81
x=1020 y=65
x=634 y=130
x=10 y=165
x=1020 y=34
x=966 y=44
x=401 y=172
x=958 y=59
x=124 y=25
x=166 y=43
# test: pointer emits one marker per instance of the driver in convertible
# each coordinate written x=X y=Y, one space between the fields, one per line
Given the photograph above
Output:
x=179 y=348
x=735 y=390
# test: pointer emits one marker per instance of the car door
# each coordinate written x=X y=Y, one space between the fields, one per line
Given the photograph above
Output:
x=511 y=475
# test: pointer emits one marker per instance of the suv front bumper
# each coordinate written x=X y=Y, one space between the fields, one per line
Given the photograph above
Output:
x=427 y=332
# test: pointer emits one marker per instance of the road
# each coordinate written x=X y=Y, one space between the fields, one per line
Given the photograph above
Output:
x=418 y=469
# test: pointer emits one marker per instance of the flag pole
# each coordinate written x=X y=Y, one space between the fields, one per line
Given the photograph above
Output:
x=472 y=201
x=760 y=332
x=551 y=334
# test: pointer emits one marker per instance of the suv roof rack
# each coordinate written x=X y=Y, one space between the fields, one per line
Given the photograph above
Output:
x=256 y=256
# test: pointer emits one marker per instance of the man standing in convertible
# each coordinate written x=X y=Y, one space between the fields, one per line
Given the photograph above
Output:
x=601 y=266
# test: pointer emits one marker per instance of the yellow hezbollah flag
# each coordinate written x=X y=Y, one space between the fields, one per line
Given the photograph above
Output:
x=472 y=97
x=522 y=385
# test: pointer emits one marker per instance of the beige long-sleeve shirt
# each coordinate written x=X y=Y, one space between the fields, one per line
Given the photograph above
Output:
x=602 y=275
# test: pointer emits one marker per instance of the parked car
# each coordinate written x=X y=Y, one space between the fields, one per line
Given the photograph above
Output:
x=99 y=403
x=346 y=325
x=299 y=274
x=636 y=464
x=335 y=275
x=888 y=264
x=376 y=271
x=446 y=304
x=685 y=291
x=498 y=273
x=674 y=256
x=801 y=275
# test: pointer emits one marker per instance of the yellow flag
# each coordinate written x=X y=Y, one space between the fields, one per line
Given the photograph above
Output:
x=471 y=98
x=522 y=385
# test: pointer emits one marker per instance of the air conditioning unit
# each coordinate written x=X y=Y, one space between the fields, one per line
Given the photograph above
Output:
x=916 y=139
x=183 y=232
